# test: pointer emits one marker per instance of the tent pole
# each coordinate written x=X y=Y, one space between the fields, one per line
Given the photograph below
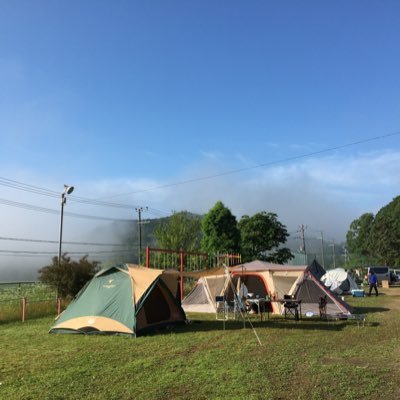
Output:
x=242 y=314
x=182 y=260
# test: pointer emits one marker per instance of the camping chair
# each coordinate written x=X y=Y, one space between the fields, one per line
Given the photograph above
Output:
x=291 y=307
x=322 y=306
x=222 y=308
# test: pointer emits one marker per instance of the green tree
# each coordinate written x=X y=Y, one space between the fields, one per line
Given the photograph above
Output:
x=70 y=276
x=262 y=236
x=182 y=231
x=358 y=236
x=220 y=231
x=385 y=234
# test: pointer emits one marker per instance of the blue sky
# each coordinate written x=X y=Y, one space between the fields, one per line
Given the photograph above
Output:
x=123 y=96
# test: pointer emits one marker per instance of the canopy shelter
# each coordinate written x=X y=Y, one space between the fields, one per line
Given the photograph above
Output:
x=124 y=299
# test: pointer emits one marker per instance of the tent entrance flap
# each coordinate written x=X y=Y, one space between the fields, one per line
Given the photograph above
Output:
x=158 y=307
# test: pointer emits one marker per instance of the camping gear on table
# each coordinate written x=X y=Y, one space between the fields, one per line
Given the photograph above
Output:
x=263 y=279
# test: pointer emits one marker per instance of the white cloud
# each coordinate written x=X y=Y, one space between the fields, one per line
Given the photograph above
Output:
x=211 y=155
x=322 y=193
x=271 y=145
x=327 y=193
x=245 y=161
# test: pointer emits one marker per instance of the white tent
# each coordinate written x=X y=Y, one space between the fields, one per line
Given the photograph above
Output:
x=339 y=281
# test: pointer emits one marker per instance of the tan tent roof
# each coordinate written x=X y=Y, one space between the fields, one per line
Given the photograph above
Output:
x=205 y=272
x=143 y=277
x=258 y=265
x=252 y=266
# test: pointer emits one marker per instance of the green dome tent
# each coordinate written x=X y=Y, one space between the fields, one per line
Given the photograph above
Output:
x=124 y=299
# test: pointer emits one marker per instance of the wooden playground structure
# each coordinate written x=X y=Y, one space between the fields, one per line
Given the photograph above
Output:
x=186 y=261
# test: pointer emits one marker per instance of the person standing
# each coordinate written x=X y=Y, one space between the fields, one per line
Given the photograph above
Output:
x=373 y=282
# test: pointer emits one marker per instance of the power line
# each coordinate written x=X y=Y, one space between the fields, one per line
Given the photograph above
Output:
x=56 y=242
x=28 y=188
x=267 y=164
x=54 y=194
x=14 y=252
x=21 y=255
x=56 y=212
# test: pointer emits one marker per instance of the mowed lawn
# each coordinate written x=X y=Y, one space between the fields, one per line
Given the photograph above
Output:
x=310 y=359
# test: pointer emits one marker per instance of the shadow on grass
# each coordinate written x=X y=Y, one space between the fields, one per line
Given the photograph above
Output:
x=370 y=310
x=10 y=321
x=273 y=323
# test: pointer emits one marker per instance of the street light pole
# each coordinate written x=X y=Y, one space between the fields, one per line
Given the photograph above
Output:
x=67 y=190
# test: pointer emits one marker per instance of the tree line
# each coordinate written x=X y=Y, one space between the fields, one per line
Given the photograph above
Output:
x=375 y=239
x=260 y=236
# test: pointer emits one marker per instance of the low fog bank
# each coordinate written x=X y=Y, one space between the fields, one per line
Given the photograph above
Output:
x=17 y=271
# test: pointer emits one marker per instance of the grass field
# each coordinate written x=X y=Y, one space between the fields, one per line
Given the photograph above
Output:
x=41 y=300
x=34 y=290
x=310 y=359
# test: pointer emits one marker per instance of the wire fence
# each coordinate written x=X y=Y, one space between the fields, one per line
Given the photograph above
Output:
x=22 y=301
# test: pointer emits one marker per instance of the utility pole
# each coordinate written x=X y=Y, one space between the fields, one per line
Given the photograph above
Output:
x=333 y=253
x=346 y=256
x=303 y=242
x=322 y=249
x=139 y=210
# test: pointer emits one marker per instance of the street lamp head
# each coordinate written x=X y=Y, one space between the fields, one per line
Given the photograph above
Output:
x=68 y=189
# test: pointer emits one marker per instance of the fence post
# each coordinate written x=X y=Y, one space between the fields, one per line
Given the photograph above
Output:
x=23 y=309
x=182 y=261
x=58 y=307
x=147 y=256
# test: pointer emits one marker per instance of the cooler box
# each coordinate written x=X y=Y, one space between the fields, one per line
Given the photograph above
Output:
x=357 y=293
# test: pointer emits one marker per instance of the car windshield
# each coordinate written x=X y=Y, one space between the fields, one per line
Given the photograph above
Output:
x=381 y=270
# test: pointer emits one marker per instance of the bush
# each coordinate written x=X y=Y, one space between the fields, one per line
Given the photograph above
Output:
x=70 y=276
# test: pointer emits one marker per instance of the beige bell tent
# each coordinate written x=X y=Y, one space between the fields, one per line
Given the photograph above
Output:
x=124 y=299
